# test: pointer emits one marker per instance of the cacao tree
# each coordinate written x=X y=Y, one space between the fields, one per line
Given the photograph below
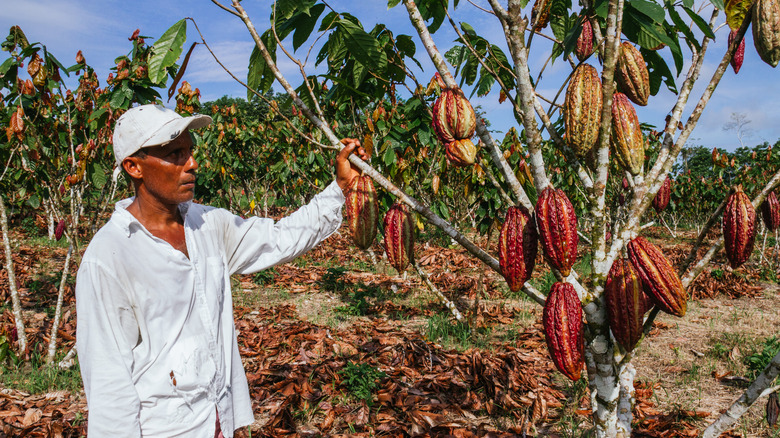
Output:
x=594 y=134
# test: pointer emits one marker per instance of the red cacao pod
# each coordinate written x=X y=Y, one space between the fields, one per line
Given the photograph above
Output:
x=772 y=409
x=517 y=247
x=585 y=41
x=557 y=225
x=59 y=230
x=453 y=116
x=739 y=54
x=582 y=110
x=661 y=200
x=399 y=237
x=739 y=227
x=766 y=30
x=631 y=74
x=362 y=211
x=659 y=278
x=562 y=320
x=625 y=303
x=626 y=136
x=770 y=212
x=461 y=153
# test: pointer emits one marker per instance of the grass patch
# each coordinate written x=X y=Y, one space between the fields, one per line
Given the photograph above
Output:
x=360 y=380
x=458 y=335
x=36 y=377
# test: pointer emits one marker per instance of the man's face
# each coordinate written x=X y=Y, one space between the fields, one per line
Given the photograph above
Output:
x=168 y=172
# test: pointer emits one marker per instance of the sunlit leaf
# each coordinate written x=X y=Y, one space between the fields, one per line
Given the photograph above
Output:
x=736 y=11
x=166 y=51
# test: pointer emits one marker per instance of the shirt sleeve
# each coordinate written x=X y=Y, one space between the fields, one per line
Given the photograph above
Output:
x=257 y=243
x=106 y=332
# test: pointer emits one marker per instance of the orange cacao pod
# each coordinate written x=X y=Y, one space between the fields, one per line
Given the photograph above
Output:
x=557 y=225
x=770 y=212
x=584 y=46
x=517 y=247
x=582 y=109
x=540 y=14
x=626 y=136
x=766 y=30
x=739 y=227
x=661 y=200
x=461 y=153
x=631 y=74
x=399 y=237
x=453 y=116
x=625 y=303
x=562 y=320
x=659 y=278
x=362 y=211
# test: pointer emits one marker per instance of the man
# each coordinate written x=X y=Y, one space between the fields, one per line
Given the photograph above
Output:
x=156 y=340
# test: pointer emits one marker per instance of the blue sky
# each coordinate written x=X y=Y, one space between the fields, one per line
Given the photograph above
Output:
x=100 y=28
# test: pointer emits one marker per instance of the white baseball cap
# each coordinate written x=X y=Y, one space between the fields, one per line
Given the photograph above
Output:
x=150 y=125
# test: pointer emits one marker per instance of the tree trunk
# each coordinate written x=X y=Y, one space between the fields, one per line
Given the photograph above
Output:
x=55 y=325
x=9 y=267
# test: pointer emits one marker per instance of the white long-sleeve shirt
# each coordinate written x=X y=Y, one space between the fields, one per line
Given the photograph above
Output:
x=155 y=335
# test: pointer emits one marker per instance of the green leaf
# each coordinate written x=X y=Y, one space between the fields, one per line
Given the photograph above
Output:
x=700 y=23
x=717 y=3
x=97 y=175
x=392 y=3
x=640 y=29
x=362 y=46
x=7 y=65
x=389 y=157
x=166 y=51
x=681 y=26
x=260 y=76
x=653 y=10
x=34 y=201
x=659 y=71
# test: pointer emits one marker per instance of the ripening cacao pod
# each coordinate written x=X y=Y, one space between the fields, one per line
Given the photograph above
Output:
x=517 y=247
x=739 y=54
x=582 y=110
x=659 y=278
x=739 y=227
x=625 y=303
x=766 y=30
x=59 y=230
x=661 y=200
x=557 y=225
x=562 y=320
x=626 y=136
x=540 y=14
x=772 y=409
x=631 y=74
x=770 y=212
x=362 y=211
x=453 y=116
x=584 y=46
x=461 y=152
x=399 y=237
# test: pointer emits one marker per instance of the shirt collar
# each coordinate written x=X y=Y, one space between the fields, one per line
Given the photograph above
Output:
x=128 y=223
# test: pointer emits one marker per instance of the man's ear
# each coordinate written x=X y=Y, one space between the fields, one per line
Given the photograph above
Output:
x=132 y=166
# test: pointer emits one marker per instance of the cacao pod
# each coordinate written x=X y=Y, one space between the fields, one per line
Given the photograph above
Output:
x=540 y=14
x=661 y=200
x=631 y=74
x=772 y=409
x=399 y=237
x=739 y=227
x=562 y=320
x=362 y=211
x=453 y=116
x=59 y=230
x=582 y=110
x=557 y=225
x=739 y=53
x=517 y=247
x=660 y=280
x=766 y=30
x=626 y=136
x=461 y=153
x=770 y=212
x=585 y=41
x=625 y=303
